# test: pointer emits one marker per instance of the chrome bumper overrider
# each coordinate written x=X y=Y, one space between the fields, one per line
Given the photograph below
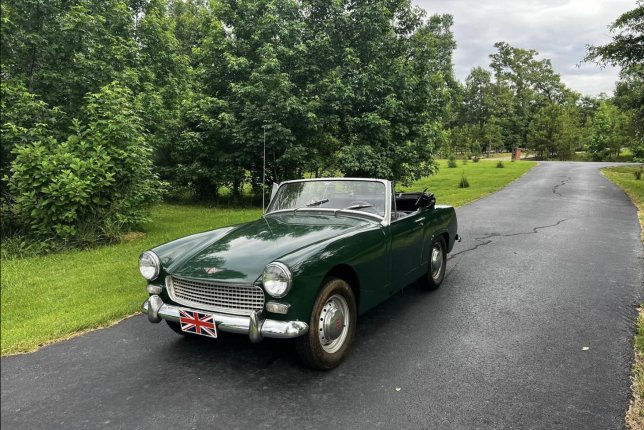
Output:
x=254 y=325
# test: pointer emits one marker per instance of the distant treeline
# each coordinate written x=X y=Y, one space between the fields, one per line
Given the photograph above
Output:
x=110 y=105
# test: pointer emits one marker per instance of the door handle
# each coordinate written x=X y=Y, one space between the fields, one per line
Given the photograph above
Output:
x=420 y=221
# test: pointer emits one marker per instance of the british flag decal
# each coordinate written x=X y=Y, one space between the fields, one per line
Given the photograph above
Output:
x=198 y=323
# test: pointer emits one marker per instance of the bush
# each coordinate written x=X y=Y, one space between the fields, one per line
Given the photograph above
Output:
x=25 y=119
x=451 y=161
x=476 y=159
x=638 y=174
x=464 y=161
x=500 y=165
x=92 y=186
x=463 y=183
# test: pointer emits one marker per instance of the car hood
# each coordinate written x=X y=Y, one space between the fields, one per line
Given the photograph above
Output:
x=239 y=254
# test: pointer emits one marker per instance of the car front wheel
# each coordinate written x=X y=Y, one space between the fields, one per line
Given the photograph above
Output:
x=332 y=326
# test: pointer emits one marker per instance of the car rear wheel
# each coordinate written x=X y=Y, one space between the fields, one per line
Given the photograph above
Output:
x=437 y=264
x=332 y=326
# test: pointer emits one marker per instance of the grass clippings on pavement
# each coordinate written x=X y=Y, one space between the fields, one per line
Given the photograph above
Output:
x=635 y=414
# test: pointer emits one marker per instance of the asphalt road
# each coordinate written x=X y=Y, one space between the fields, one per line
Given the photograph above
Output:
x=548 y=266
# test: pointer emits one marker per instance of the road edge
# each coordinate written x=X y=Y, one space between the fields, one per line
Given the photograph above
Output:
x=72 y=335
x=634 y=418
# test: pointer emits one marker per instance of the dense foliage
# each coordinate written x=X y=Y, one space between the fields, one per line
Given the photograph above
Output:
x=93 y=184
x=627 y=51
x=104 y=99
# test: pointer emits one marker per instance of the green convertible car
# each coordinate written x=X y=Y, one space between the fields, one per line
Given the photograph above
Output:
x=325 y=251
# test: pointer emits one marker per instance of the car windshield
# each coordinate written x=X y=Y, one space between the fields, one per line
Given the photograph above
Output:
x=358 y=195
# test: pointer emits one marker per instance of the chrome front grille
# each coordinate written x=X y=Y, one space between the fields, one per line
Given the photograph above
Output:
x=232 y=299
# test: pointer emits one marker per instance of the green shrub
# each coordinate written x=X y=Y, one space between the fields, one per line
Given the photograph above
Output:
x=25 y=119
x=464 y=161
x=476 y=159
x=463 y=183
x=638 y=174
x=500 y=165
x=451 y=161
x=101 y=177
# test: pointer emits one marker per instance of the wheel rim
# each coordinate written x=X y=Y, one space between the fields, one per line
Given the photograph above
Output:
x=333 y=324
x=437 y=261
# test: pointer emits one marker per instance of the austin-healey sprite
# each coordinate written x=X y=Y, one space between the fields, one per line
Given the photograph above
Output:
x=324 y=252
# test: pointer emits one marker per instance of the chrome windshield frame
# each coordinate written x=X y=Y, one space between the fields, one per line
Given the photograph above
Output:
x=384 y=221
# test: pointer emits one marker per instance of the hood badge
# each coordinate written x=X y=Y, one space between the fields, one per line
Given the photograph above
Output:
x=211 y=270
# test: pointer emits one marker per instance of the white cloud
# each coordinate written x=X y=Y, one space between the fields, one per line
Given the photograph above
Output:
x=557 y=29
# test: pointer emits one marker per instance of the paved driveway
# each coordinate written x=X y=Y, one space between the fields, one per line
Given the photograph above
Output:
x=547 y=267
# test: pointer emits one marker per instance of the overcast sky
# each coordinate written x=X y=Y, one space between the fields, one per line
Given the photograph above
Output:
x=557 y=29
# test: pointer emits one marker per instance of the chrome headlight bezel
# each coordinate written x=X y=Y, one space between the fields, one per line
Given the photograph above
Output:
x=149 y=260
x=277 y=279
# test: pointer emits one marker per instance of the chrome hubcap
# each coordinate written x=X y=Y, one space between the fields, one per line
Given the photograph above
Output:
x=333 y=323
x=437 y=261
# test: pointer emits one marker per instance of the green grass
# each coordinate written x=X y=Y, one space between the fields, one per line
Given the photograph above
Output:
x=56 y=296
x=625 y=155
x=495 y=155
x=484 y=178
x=51 y=297
x=624 y=177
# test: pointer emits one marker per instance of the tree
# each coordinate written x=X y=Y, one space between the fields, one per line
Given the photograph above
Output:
x=627 y=51
x=603 y=131
x=554 y=131
x=478 y=98
x=63 y=50
x=627 y=48
x=493 y=135
x=532 y=82
x=399 y=82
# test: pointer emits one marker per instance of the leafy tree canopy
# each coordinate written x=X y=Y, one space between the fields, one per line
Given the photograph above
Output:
x=627 y=48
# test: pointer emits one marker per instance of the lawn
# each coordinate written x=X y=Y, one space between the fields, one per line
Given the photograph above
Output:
x=625 y=177
x=51 y=297
x=56 y=296
x=484 y=178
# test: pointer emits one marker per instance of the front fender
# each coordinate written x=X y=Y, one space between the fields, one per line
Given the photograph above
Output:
x=364 y=251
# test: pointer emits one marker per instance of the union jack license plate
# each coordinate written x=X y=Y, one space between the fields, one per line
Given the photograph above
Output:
x=198 y=323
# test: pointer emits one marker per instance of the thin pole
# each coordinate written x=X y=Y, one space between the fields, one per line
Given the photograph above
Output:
x=264 y=174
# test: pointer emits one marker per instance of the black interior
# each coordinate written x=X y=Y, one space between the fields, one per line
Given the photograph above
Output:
x=407 y=203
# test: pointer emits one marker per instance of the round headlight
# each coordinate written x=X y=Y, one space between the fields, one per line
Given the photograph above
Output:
x=149 y=265
x=277 y=279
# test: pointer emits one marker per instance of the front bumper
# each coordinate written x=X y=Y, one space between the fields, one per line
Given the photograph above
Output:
x=254 y=325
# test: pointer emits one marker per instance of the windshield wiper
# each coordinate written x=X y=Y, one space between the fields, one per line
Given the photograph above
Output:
x=354 y=207
x=317 y=202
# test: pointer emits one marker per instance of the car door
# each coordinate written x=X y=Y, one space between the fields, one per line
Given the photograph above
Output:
x=407 y=237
